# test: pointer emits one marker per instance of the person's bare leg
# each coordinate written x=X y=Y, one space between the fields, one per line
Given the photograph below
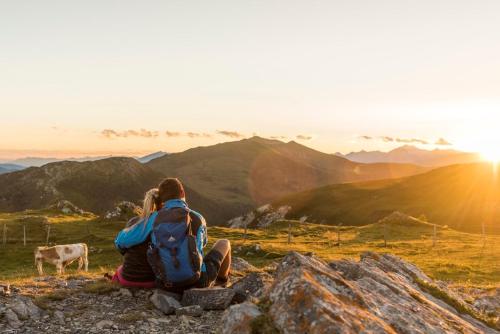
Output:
x=223 y=246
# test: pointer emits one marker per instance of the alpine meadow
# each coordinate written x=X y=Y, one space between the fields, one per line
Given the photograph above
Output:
x=250 y=167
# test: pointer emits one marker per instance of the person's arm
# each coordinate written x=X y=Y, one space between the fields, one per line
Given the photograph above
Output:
x=201 y=237
x=201 y=233
x=134 y=235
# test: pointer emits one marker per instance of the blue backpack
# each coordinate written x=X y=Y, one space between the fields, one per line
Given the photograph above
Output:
x=173 y=254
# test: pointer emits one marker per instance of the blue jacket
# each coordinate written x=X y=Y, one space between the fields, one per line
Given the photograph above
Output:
x=138 y=233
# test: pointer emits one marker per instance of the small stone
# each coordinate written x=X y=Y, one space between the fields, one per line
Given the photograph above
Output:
x=59 y=317
x=103 y=324
x=164 y=303
x=193 y=311
x=12 y=319
x=125 y=292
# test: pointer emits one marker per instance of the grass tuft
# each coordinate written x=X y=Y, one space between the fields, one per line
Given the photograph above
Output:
x=462 y=308
x=101 y=287
x=263 y=324
x=130 y=318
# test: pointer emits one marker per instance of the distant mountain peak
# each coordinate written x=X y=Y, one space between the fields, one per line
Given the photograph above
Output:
x=414 y=155
x=407 y=148
x=265 y=141
x=149 y=157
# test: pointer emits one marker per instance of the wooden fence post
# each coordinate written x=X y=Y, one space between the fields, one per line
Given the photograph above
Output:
x=338 y=234
x=24 y=235
x=48 y=235
x=484 y=233
x=385 y=234
x=289 y=232
x=434 y=236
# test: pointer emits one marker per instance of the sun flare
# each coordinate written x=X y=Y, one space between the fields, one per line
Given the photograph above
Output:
x=491 y=154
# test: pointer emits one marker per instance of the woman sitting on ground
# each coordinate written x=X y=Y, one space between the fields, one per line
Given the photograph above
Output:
x=170 y=204
x=135 y=270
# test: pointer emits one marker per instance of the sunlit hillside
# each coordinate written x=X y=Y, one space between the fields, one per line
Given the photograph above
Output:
x=462 y=258
x=463 y=197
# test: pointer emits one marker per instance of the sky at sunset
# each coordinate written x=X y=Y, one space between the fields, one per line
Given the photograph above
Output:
x=133 y=77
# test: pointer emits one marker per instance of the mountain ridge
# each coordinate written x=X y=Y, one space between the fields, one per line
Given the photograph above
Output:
x=256 y=170
x=223 y=180
x=414 y=155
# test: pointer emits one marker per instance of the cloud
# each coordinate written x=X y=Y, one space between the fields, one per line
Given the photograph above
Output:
x=389 y=139
x=198 y=135
x=109 y=133
x=412 y=141
x=173 y=134
x=278 y=137
x=231 y=134
x=443 y=142
x=304 y=137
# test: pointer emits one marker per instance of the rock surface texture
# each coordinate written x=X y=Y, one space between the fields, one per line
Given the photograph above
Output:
x=302 y=294
x=379 y=294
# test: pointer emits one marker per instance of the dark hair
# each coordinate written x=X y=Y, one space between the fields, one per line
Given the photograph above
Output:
x=170 y=188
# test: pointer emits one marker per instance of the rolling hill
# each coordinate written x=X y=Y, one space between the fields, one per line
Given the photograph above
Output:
x=95 y=186
x=414 y=155
x=222 y=181
x=460 y=196
x=256 y=171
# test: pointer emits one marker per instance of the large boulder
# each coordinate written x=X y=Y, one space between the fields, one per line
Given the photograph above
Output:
x=24 y=308
x=255 y=285
x=379 y=294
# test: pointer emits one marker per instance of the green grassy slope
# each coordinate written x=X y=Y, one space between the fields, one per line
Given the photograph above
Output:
x=462 y=258
x=460 y=196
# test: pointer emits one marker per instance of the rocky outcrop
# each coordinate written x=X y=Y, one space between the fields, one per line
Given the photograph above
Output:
x=85 y=305
x=124 y=211
x=379 y=294
x=66 y=207
x=262 y=217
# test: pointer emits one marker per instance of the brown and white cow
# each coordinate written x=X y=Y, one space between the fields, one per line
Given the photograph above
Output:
x=61 y=256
